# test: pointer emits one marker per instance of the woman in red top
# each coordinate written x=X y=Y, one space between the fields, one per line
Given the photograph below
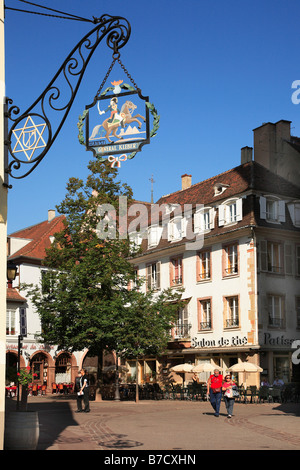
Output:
x=214 y=390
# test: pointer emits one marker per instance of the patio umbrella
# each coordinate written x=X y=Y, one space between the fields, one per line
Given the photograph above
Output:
x=206 y=367
x=182 y=369
x=245 y=367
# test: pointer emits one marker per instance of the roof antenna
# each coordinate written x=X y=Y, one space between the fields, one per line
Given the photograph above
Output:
x=152 y=181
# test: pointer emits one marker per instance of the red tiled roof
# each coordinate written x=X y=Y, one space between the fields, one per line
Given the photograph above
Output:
x=13 y=295
x=39 y=238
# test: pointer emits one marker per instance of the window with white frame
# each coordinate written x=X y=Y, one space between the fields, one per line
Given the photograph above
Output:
x=176 y=271
x=153 y=276
x=230 y=259
x=272 y=209
x=231 y=212
x=271 y=256
x=276 y=312
x=204 y=219
x=154 y=235
x=203 y=265
x=182 y=327
x=231 y=314
x=11 y=322
x=204 y=314
x=177 y=228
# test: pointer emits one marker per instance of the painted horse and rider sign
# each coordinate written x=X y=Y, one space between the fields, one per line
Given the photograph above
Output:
x=117 y=122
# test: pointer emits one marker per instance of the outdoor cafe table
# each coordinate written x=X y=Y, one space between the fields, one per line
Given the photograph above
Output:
x=11 y=390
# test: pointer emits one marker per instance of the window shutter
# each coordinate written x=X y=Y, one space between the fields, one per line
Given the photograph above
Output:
x=263 y=255
x=221 y=215
x=149 y=272
x=288 y=259
x=212 y=218
x=239 y=209
x=263 y=207
x=158 y=275
x=281 y=211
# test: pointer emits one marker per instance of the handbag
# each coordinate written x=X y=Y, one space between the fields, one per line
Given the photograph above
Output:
x=235 y=392
x=228 y=393
x=216 y=390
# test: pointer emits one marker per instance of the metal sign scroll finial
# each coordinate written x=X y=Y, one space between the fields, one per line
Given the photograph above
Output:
x=32 y=134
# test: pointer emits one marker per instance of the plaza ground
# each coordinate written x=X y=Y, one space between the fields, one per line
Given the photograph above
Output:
x=163 y=425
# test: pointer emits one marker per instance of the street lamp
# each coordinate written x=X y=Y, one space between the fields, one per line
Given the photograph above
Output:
x=11 y=272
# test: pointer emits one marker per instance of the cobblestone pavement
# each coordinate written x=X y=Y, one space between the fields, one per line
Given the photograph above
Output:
x=164 y=425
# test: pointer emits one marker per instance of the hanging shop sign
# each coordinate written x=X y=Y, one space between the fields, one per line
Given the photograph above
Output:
x=116 y=125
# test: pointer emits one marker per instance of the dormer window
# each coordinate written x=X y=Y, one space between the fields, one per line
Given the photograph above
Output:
x=219 y=188
x=177 y=229
x=154 y=235
x=230 y=212
x=272 y=209
x=204 y=219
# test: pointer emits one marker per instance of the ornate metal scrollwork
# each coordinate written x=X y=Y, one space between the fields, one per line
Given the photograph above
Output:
x=32 y=133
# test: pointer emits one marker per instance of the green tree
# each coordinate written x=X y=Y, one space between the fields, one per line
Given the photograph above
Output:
x=84 y=300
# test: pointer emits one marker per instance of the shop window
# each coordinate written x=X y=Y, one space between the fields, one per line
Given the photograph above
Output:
x=39 y=367
x=276 y=311
x=231 y=312
x=282 y=368
x=204 y=314
x=203 y=265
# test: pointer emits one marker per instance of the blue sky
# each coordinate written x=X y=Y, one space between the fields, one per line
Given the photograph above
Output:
x=214 y=71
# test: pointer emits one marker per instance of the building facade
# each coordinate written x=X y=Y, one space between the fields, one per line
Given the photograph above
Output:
x=26 y=248
x=241 y=279
x=231 y=243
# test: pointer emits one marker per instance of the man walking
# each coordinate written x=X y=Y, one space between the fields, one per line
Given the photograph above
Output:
x=83 y=393
x=214 y=390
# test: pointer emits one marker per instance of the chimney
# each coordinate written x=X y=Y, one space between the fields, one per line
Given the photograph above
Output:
x=186 y=181
x=246 y=155
x=269 y=143
x=51 y=214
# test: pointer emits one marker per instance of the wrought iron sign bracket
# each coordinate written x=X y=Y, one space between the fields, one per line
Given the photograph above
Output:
x=32 y=134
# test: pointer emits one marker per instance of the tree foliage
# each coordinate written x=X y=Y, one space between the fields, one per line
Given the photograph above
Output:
x=84 y=300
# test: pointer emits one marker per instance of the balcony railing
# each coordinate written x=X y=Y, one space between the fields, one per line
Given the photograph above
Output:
x=181 y=330
x=206 y=325
x=232 y=323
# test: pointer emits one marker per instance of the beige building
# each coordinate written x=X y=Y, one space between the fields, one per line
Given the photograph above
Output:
x=241 y=279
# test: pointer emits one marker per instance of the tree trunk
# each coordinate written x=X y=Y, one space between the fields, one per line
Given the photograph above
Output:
x=137 y=382
x=23 y=404
x=98 y=395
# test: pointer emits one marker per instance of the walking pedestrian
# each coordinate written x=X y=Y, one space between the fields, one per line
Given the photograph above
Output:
x=83 y=393
x=214 y=391
x=228 y=395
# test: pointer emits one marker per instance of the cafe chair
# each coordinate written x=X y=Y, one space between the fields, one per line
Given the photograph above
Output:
x=35 y=389
x=43 y=389
x=54 y=388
